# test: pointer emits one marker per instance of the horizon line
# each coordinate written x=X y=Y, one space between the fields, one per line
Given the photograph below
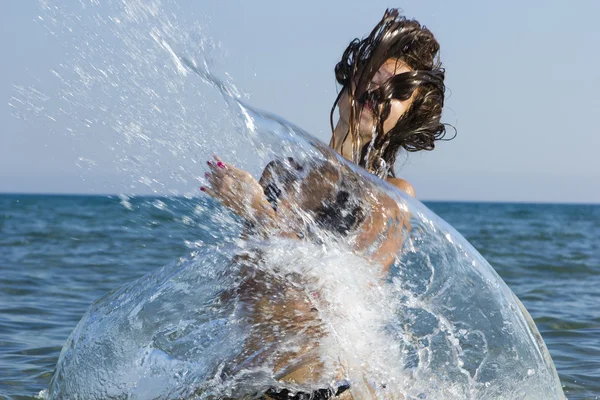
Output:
x=531 y=202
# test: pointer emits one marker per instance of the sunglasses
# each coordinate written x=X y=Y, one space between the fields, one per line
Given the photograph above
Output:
x=370 y=99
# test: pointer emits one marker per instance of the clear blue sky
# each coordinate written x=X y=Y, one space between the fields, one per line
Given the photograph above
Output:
x=522 y=80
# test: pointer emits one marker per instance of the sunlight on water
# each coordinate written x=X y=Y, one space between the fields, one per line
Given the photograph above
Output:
x=440 y=324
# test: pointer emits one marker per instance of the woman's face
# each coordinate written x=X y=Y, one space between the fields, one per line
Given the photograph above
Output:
x=389 y=69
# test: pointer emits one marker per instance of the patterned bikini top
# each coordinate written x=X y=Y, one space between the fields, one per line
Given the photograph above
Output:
x=320 y=190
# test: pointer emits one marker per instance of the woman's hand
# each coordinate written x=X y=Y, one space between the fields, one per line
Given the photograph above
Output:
x=237 y=190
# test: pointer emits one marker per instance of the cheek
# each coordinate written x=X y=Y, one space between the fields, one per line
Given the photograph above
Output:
x=397 y=109
x=344 y=107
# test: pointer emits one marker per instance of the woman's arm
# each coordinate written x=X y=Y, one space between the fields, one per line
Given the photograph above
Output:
x=389 y=224
x=237 y=190
x=386 y=225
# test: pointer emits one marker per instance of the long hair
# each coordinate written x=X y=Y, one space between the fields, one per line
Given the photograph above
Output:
x=406 y=41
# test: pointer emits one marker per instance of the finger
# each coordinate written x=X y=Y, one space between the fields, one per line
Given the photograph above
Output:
x=210 y=179
x=218 y=184
x=211 y=164
x=216 y=179
x=217 y=166
x=219 y=162
x=208 y=191
x=220 y=179
x=216 y=194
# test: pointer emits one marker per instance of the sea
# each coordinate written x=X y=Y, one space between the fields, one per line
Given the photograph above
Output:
x=58 y=253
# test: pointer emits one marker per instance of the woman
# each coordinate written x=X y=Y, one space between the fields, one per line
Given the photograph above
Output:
x=391 y=99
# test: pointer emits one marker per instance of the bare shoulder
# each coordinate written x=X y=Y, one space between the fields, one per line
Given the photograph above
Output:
x=403 y=185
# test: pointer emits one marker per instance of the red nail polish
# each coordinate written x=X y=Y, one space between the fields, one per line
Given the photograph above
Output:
x=209 y=162
x=203 y=188
x=220 y=165
x=207 y=175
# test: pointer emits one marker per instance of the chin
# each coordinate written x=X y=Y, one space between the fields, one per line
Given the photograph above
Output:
x=366 y=127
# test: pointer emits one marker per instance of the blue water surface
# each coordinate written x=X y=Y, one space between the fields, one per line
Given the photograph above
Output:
x=59 y=253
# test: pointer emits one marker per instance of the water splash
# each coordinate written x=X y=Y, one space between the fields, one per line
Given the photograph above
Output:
x=440 y=324
x=124 y=95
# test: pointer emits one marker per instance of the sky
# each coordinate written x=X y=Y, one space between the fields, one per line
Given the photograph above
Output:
x=522 y=91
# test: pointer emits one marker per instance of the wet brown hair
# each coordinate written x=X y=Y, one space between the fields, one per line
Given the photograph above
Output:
x=406 y=41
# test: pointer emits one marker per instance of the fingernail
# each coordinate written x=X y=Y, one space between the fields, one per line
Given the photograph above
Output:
x=209 y=162
x=202 y=188
x=207 y=175
x=220 y=165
